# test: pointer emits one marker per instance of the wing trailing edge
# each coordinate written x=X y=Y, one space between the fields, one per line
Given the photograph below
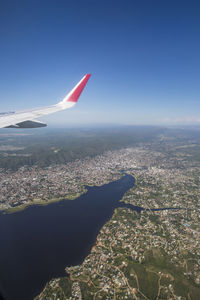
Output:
x=28 y=124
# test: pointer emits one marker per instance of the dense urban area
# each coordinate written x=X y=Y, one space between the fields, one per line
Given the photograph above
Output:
x=147 y=255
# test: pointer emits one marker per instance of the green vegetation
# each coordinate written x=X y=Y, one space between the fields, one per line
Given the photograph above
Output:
x=60 y=289
x=47 y=147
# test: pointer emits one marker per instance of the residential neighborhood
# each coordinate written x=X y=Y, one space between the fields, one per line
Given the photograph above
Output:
x=147 y=255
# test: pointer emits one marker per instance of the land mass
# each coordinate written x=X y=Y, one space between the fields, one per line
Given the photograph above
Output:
x=151 y=255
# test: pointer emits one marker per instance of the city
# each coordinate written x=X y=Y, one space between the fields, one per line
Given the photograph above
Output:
x=147 y=255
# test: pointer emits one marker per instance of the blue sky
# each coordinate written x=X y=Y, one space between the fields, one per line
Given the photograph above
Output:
x=144 y=57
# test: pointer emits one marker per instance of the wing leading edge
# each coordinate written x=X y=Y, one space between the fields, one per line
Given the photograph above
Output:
x=26 y=119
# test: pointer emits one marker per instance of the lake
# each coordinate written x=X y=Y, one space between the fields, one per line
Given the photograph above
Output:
x=36 y=244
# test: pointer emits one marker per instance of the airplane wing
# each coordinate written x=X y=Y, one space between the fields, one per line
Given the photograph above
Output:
x=27 y=118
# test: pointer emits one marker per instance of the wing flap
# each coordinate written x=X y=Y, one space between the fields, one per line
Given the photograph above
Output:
x=28 y=124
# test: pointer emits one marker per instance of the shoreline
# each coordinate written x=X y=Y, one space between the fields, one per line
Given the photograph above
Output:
x=22 y=207
x=41 y=202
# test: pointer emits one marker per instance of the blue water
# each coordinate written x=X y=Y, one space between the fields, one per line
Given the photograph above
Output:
x=38 y=243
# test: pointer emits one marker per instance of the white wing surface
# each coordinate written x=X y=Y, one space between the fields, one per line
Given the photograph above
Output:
x=26 y=119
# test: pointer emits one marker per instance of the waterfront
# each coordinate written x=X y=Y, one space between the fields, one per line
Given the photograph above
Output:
x=39 y=242
x=129 y=246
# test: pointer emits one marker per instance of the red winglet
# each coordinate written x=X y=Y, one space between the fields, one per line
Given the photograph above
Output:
x=78 y=89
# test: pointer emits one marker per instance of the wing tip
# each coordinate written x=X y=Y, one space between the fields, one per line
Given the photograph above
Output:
x=88 y=75
x=73 y=96
x=79 y=88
